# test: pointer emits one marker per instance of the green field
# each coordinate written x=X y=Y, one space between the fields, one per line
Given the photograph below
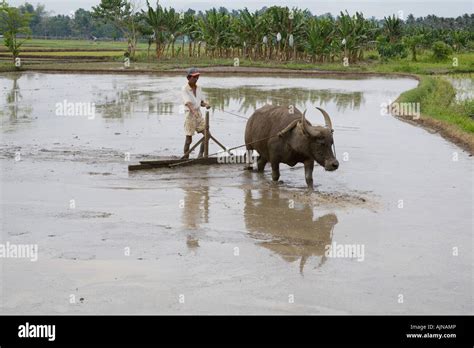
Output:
x=79 y=44
x=68 y=54
x=115 y=51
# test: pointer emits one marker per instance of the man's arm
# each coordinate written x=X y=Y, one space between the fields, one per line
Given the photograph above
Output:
x=202 y=96
x=189 y=105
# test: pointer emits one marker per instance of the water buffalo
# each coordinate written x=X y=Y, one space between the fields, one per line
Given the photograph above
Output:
x=296 y=140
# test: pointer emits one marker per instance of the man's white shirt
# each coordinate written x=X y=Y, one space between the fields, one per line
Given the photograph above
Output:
x=188 y=96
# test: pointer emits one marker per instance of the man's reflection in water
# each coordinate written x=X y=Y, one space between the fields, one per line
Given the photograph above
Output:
x=195 y=212
x=288 y=228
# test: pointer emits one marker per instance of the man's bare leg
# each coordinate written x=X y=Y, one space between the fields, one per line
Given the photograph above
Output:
x=187 y=143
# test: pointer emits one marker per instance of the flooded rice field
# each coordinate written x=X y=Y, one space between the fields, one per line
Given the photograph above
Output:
x=218 y=239
x=464 y=86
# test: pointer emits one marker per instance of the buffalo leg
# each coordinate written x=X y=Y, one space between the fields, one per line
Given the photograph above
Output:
x=308 y=173
x=248 y=160
x=275 y=171
x=261 y=162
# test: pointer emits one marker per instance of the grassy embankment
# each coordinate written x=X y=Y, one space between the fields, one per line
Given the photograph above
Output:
x=440 y=110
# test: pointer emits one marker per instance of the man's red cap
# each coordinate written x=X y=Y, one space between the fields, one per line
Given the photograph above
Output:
x=193 y=72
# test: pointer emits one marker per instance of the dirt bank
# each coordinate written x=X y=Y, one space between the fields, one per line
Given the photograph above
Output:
x=447 y=131
x=119 y=69
x=434 y=98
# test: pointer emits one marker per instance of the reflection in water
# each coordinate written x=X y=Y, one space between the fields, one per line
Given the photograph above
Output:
x=121 y=103
x=195 y=211
x=464 y=86
x=14 y=110
x=290 y=232
x=250 y=98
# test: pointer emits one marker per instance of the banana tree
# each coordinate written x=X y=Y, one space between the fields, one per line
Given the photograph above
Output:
x=361 y=34
x=319 y=38
x=157 y=20
x=279 y=20
x=173 y=26
x=297 y=30
x=216 y=31
x=354 y=34
x=191 y=30
x=249 y=28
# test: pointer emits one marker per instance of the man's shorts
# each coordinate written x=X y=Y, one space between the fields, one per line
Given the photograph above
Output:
x=193 y=124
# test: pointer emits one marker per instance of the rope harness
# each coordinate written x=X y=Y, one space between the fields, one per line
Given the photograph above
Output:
x=217 y=153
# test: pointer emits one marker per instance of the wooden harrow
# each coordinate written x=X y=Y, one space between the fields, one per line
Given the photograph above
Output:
x=174 y=161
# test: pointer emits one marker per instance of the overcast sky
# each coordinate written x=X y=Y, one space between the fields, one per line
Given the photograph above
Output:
x=377 y=8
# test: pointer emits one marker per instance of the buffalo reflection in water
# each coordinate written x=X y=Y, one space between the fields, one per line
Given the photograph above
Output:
x=290 y=232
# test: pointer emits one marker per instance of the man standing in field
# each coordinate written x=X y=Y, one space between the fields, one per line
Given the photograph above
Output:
x=193 y=99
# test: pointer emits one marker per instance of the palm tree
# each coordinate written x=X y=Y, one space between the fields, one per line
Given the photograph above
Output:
x=459 y=39
x=413 y=42
x=392 y=27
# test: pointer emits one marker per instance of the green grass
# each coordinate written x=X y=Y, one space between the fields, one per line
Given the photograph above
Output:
x=82 y=53
x=79 y=44
x=436 y=96
x=68 y=54
x=466 y=65
x=424 y=65
x=6 y=66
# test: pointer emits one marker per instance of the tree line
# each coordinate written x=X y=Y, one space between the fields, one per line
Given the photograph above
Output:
x=81 y=24
x=274 y=33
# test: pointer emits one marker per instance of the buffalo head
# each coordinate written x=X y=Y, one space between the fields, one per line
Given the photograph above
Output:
x=315 y=142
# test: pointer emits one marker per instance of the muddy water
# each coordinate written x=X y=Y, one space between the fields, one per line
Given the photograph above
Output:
x=219 y=239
